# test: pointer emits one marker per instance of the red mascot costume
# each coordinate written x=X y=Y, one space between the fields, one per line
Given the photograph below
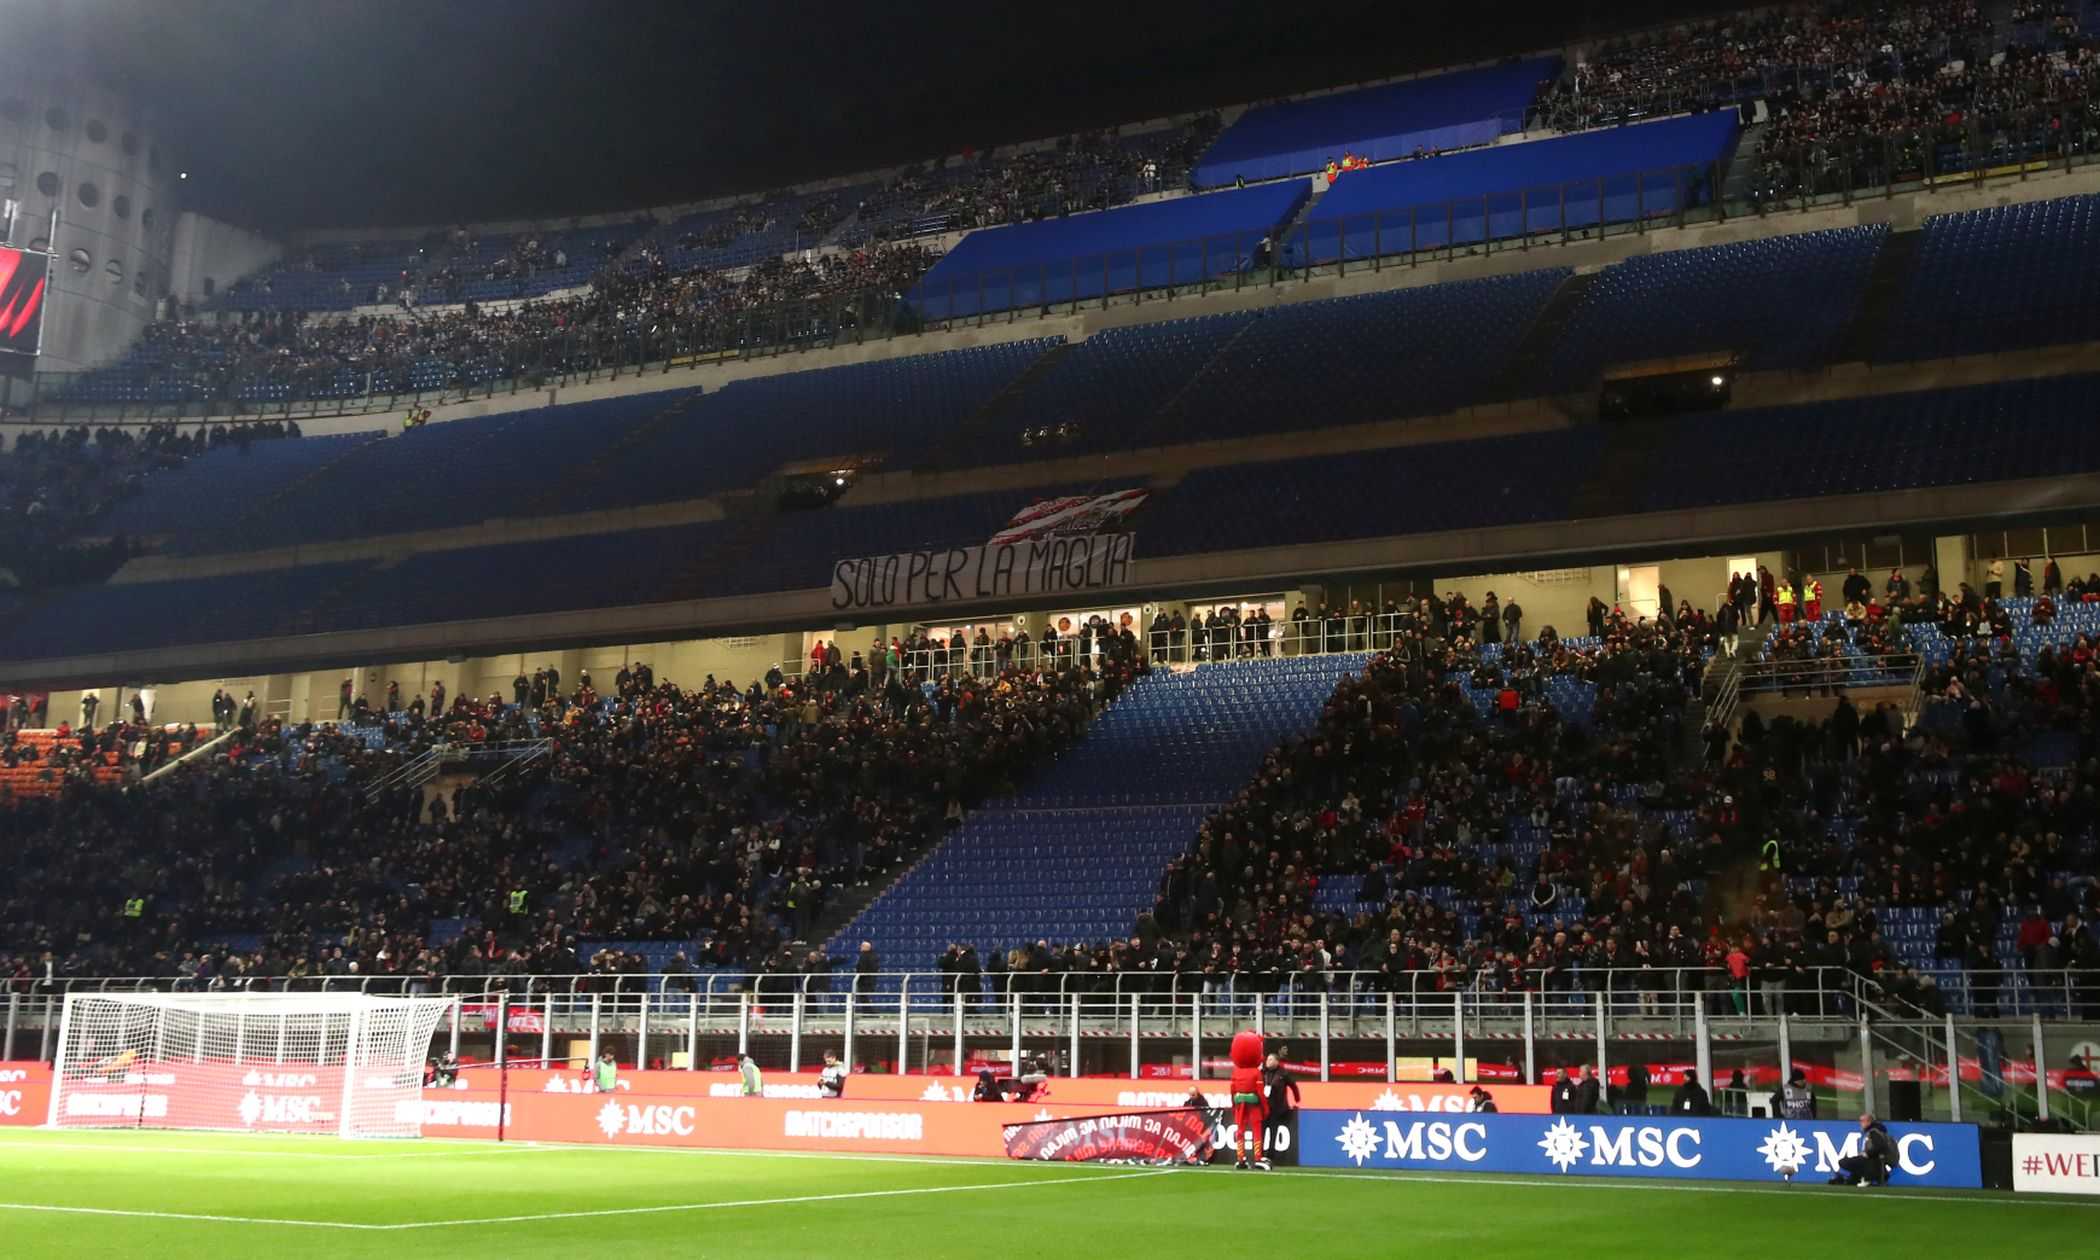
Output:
x=1250 y=1107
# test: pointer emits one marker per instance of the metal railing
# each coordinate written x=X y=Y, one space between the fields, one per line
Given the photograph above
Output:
x=1351 y=1023
x=1192 y=645
x=1827 y=675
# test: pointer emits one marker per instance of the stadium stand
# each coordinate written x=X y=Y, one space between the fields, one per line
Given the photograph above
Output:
x=1582 y=181
x=1179 y=241
x=1391 y=120
x=1780 y=302
x=2001 y=279
x=1174 y=744
x=1416 y=799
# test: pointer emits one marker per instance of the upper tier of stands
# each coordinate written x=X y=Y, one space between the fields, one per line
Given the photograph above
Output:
x=1579 y=181
x=1177 y=241
x=1389 y=120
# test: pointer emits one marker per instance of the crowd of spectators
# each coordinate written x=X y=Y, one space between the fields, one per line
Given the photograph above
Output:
x=723 y=816
x=646 y=311
x=1084 y=171
x=1858 y=94
x=1749 y=872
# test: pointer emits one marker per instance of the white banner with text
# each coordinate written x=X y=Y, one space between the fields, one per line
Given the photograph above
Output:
x=951 y=575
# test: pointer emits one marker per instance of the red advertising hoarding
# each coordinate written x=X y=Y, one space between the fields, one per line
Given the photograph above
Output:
x=25 y=1092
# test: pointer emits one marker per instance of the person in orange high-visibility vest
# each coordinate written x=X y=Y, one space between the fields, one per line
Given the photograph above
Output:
x=1786 y=603
x=1814 y=610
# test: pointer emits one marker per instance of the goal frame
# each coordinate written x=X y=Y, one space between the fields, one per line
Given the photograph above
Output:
x=352 y=1059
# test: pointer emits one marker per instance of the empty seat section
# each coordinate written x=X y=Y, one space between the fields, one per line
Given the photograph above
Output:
x=1079 y=854
x=1178 y=241
x=2002 y=278
x=1615 y=176
x=1351 y=360
x=184 y=502
x=1371 y=494
x=140 y=615
x=1389 y=120
x=462 y=472
x=1781 y=302
x=2011 y=429
x=904 y=407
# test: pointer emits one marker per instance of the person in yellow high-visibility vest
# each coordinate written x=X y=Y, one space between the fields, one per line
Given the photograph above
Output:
x=134 y=907
x=1785 y=600
x=1814 y=609
x=517 y=901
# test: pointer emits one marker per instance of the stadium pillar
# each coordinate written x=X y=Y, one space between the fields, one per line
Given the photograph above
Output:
x=1866 y=1066
x=1458 y=1029
x=641 y=1035
x=547 y=1028
x=1015 y=1051
x=452 y=1043
x=1324 y=1038
x=958 y=1032
x=14 y=1013
x=743 y=1024
x=692 y=1031
x=1702 y=1049
x=2041 y=1071
x=597 y=1006
x=1786 y=1048
x=1389 y=1038
x=904 y=1024
x=502 y=1027
x=1953 y=1074
x=1603 y=1047
x=1531 y=1075
x=1133 y=1036
x=1196 y=1035
x=795 y=1009
x=1072 y=1053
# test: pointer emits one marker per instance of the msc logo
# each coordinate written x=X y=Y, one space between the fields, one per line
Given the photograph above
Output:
x=282 y=1109
x=1629 y=1146
x=1418 y=1139
x=1908 y=1148
x=636 y=1120
x=10 y=1102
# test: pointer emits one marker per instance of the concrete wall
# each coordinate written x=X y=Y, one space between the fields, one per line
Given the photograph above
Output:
x=209 y=255
x=86 y=150
x=1560 y=597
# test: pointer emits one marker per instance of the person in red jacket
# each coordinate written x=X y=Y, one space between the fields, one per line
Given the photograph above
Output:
x=1250 y=1111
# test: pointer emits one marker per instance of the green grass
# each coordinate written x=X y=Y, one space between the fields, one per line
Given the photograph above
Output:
x=173 y=1195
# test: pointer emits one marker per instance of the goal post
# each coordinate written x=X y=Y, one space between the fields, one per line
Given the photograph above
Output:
x=351 y=1064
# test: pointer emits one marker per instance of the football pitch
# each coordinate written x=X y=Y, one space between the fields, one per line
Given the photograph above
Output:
x=170 y=1195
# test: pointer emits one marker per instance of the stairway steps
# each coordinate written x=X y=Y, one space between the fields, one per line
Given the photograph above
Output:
x=1884 y=290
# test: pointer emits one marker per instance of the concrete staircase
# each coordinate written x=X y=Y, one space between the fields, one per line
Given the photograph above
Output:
x=1529 y=361
x=1741 y=180
x=981 y=427
x=1885 y=286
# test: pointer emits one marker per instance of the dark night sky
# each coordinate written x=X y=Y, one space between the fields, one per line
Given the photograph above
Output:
x=303 y=113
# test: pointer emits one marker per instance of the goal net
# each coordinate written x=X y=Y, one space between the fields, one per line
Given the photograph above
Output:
x=343 y=1063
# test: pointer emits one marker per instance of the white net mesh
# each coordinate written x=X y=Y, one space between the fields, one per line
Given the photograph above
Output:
x=270 y=1063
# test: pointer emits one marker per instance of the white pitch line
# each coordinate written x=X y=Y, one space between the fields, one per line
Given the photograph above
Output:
x=658 y=1209
x=1805 y=1191
x=185 y=1216
x=114 y=1148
